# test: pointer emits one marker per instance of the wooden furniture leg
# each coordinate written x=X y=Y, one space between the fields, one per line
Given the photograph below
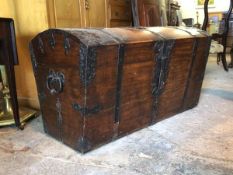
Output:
x=224 y=37
x=231 y=54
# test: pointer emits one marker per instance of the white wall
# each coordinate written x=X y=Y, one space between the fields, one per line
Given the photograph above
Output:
x=188 y=8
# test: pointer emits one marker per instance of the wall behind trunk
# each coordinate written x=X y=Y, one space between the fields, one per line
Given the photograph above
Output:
x=188 y=8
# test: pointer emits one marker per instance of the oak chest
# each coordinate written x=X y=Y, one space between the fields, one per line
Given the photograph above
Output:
x=96 y=85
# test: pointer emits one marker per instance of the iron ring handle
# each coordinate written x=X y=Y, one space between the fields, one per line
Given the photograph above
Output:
x=55 y=82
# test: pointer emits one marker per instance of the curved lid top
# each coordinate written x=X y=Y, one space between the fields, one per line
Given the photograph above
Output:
x=111 y=36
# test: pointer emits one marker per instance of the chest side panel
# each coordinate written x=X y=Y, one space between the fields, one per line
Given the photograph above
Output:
x=55 y=60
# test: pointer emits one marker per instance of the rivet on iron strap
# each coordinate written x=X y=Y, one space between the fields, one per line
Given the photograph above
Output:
x=121 y=54
x=41 y=45
x=66 y=44
x=52 y=41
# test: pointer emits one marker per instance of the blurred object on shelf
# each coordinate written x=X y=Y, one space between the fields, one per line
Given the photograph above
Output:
x=197 y=25
x=188 y=22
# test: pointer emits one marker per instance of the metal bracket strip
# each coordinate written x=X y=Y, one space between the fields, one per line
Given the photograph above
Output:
x=85 y=111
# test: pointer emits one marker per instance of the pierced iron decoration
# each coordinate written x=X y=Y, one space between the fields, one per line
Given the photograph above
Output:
x=87 y=64
x=164 y=49
x=162 y=61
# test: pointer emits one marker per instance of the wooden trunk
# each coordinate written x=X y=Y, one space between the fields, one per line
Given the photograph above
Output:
x=96 y=85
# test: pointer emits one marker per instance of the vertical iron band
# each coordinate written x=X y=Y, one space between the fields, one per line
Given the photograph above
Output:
x=162 y=59
x=121 y=55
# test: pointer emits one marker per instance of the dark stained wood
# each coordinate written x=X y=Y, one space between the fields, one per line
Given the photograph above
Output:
x=96 y=85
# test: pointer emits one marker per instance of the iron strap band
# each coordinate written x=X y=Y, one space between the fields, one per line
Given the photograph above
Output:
x=87 y=64
x=116 y=39
x=88 y=61
x=87 y=52
x=120 y=65
x=162 y=61
x=186 y=31
x=154 y=33
x=190 y=33
x=163 y=49
x=121 y=55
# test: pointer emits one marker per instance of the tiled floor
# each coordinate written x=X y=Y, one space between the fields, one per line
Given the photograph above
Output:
x=196 y=142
